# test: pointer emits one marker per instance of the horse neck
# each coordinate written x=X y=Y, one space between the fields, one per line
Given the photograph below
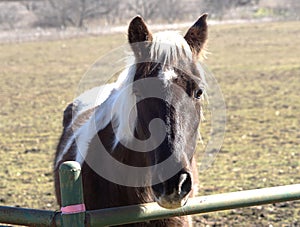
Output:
x=120 y=151
x=134 y=195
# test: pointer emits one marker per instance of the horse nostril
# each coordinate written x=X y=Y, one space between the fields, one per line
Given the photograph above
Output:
x=185 y=184
x=158 y=189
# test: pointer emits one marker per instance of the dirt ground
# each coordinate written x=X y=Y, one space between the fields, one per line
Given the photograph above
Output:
x=258 y=69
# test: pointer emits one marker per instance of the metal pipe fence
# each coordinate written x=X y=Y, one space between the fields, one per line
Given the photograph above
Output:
x=72 y=194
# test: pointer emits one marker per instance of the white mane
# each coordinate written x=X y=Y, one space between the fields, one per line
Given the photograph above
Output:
x=168 y=46
x=114 y=101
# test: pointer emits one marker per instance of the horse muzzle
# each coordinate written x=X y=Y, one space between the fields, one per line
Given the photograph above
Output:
x=174 y=192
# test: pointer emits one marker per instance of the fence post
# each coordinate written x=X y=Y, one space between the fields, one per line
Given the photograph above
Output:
x=73 y=211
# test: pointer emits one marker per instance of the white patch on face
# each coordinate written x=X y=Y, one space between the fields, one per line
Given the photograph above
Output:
x=167 y=76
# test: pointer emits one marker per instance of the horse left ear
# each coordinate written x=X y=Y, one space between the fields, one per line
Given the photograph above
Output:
x=196 y=36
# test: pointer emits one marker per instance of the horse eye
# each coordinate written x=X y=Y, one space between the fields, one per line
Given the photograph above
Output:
x=198 y=93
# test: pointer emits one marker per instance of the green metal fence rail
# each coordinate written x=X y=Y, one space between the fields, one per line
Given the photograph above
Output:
x=138 y=213
x=199 y=205
x=28 y=217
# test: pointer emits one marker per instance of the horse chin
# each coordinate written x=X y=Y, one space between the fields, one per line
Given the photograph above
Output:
x=171 y=204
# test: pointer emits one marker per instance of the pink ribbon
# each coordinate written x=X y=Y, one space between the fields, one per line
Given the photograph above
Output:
x=73 y=209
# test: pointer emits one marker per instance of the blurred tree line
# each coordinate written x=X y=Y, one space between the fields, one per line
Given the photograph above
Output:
x=83 y=13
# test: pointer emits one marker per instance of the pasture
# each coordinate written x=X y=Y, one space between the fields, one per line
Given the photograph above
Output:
x=258 y=69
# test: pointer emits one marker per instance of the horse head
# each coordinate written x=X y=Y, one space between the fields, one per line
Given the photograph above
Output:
x=169 y=85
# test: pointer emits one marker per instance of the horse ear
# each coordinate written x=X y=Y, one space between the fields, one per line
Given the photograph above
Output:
x=196 y=36
x=138 y=31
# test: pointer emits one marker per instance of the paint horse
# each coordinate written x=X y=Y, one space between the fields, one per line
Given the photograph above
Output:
x=171 y=62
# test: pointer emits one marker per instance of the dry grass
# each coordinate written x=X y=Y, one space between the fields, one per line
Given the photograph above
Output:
x=258 y=69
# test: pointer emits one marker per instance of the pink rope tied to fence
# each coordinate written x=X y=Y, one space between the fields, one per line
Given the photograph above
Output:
x=73 y=209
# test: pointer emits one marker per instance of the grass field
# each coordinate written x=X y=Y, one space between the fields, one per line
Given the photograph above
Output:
x=258 y=69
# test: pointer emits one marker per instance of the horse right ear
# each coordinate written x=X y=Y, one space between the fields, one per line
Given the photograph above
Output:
x=138 y=31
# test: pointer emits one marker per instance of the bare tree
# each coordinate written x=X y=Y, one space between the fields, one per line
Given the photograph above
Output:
x=295 y=9
x=288 y=8
x=219 y=8
x=8 y=15
x=53 y=13
x=146 y=8
x=94 y=8
x=171 y=10
x=64 y=13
